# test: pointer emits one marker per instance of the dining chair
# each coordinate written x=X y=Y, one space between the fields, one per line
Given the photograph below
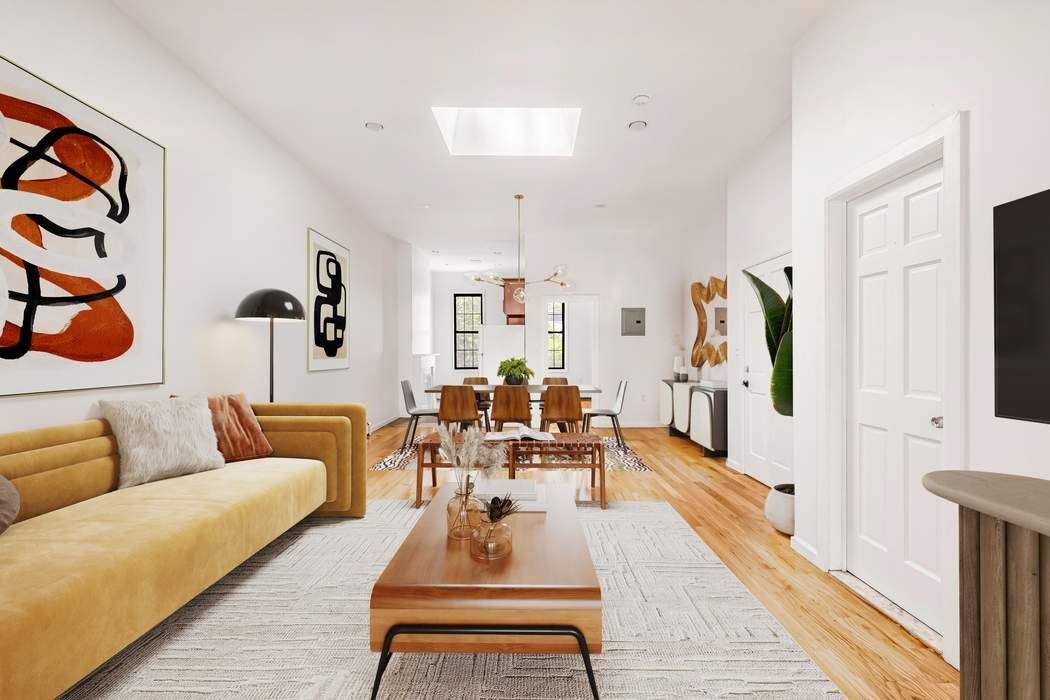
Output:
x=484 y=398
x=511 y=405
x=459 y=406
x=414 y=413
x=554 y=381
x=612 y=413
x=562 y=406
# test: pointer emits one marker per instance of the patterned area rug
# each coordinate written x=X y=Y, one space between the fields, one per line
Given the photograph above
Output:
x=293 y=622
x=616 y=458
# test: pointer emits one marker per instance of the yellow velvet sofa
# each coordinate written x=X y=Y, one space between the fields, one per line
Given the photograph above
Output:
x=87 y=569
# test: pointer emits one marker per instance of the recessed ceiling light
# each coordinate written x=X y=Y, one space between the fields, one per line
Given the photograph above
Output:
x=497 y=252
x=374 y=126
x=424 y=206
x=637 y=125
x=641 y=99
x=435 y=252
x=599 y=206
x=474 y=260
x=508 y=131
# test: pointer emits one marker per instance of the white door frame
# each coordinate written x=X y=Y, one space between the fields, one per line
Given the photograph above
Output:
x=945 y=141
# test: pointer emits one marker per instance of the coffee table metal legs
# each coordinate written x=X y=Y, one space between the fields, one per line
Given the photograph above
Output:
x=548 y=630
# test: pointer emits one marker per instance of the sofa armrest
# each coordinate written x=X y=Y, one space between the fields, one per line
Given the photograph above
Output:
x=299 y=430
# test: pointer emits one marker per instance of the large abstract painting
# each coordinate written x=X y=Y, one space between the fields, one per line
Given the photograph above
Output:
x=327 y=293
x=81 y=244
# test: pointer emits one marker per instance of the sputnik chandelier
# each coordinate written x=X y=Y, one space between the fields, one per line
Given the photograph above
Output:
x=557 y=276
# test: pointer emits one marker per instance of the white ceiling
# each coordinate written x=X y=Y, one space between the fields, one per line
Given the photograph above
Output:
x=311 y=72
x=494 y=256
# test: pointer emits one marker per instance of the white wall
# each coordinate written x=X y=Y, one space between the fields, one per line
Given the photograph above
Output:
x=581 y=331
x=625 y=269
x=758 y=227
x=868 y=76
x=443 y=286
x=237 y=211
x=422 y=304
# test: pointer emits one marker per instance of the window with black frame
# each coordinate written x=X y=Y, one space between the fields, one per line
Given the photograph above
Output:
x=555 y=335
x=467 y=316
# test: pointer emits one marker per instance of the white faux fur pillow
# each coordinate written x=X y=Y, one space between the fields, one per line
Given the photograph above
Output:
x=162 y=439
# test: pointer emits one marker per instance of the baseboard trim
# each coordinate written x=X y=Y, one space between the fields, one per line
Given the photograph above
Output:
x=376 y=425
x=735 y=466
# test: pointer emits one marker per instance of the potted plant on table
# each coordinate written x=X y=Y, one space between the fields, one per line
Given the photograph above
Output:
x=780 y=503
x=514 y=370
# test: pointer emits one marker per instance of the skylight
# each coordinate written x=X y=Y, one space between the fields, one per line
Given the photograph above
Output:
x=508 y=131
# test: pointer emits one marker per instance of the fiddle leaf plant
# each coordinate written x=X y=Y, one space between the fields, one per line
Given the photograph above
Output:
x=777 y=314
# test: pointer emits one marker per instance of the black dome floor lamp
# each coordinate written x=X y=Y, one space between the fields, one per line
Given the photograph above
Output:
x=270 y=305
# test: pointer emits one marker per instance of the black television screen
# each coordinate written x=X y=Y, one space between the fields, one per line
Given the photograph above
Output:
x=1022 y=308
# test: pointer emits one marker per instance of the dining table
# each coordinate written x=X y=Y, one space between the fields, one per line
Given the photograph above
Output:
x=585 y=389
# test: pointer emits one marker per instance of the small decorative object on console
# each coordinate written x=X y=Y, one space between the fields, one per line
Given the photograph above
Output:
x=492 y=537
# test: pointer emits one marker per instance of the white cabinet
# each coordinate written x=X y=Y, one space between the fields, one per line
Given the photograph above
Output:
x=707 y=418
x=700 y=424
x=666 y=404
x=681 y=406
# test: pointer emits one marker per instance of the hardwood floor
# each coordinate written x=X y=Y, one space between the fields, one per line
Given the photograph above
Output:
x=865 y=653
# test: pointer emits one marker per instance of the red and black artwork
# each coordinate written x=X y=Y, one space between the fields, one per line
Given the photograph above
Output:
x=327 y=294
x=81 y=244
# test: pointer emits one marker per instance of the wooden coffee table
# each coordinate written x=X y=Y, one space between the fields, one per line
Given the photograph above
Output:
x=544 y=597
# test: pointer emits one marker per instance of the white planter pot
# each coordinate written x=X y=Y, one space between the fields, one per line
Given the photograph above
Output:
x=780 y=508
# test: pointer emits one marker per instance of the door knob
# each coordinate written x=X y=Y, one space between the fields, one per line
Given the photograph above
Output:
x=937 y=421
x=746 y=384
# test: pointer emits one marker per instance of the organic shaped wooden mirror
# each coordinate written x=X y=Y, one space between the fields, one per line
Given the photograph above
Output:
x=711 y=345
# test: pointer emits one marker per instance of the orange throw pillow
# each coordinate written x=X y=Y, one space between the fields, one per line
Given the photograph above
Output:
x=238 y=430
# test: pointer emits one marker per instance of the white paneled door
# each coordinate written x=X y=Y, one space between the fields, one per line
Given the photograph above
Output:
x=895 y=325
x=767 y=435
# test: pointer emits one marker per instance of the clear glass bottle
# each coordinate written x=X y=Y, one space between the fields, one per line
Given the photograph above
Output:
x=491 y=540
x=464 y=514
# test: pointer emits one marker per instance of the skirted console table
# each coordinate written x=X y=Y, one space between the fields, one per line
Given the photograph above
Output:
x=1004 y=581
x=696 y=410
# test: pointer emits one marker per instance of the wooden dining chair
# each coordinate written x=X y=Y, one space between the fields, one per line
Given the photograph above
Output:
x=459 y=406
x=484 y=398
x=553 y=381
x=562 y=406
x=511 y=405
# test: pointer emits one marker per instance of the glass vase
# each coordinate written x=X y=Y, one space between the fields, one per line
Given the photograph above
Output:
x=491 y=540
x=464 y=514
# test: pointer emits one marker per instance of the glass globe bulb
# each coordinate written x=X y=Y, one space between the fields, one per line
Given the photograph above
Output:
x=560 y=270
x=566 y=284
x=519 y=295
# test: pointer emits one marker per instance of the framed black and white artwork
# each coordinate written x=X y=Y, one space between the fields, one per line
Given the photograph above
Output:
x=81 y=244
x=328 y=303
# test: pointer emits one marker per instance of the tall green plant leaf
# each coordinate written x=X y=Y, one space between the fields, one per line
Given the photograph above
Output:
x=781 y=389
x=773 y=310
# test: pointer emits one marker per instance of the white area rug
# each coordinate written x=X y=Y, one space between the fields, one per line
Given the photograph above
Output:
x=292 y=622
